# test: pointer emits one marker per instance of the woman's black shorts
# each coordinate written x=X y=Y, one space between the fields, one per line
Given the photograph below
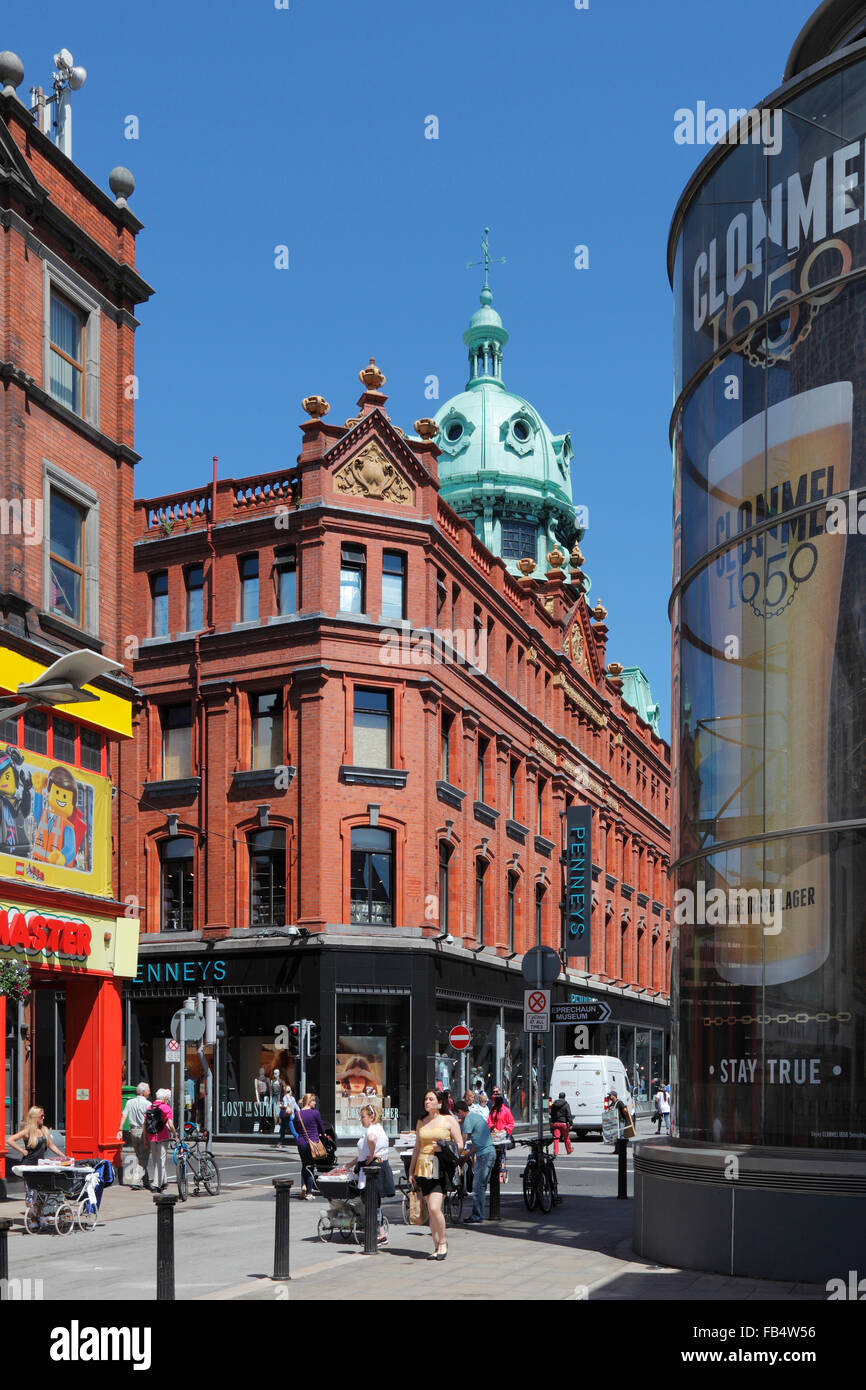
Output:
x=428 y=1185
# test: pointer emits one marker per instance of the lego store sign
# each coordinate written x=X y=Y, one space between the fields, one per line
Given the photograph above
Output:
x=55 y=823
x=94 y=945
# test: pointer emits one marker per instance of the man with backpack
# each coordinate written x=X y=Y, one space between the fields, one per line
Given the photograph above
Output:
x=561 y=1120
x=159 y=1130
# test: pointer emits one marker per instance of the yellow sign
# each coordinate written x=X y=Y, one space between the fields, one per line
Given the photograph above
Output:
x=55 y=823
x=108 y=711
x=64 y=941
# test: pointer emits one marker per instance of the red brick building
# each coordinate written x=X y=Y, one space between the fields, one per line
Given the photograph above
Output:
x=358 y=735
x=68 y=293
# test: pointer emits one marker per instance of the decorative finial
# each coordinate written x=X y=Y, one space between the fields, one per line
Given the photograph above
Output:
x=487 y=262
x=316 y=406
x=526 y=567
x=426 y=428
x=372 y=377
x=576 y=557
x=11 y=72
x=556 y=558
x=122 y=185
x=599 y=612
x=614 y=674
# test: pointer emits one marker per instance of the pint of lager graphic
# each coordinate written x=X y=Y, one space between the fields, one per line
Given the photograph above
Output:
x=777 y=594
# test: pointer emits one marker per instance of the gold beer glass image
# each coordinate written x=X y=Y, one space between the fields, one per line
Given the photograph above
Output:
x=780 y=605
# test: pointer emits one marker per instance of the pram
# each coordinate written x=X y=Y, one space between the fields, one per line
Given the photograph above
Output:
x=60 y=1196
x=345 y=1214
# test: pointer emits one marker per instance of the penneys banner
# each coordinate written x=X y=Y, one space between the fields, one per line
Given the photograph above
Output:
x=55 y=823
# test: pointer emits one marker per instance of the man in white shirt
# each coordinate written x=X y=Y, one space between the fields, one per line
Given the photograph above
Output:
x=133 y=1111
x=663 y=1106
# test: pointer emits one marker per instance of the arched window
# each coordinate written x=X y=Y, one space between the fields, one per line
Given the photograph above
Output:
x=267 y=877
x=539 y=913
x=512 y=911
x=445 y=852
x=177 y=883
x=480 y=872
x=372 y=876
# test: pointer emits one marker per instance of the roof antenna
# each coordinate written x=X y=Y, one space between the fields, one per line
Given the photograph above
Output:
x=67 y=78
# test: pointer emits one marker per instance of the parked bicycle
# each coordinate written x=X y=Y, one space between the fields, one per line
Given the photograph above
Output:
x=540 y=1185
x=197 y=1161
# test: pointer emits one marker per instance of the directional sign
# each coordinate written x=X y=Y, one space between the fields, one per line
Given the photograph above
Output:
x=589 y=1011
x=541 y=965
x=460 y=1037
x=536 y=1011
x=172 y=1050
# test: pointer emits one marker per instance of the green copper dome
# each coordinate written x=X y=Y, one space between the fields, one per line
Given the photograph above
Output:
x=500 y=466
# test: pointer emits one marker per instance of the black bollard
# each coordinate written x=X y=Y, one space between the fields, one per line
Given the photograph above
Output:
x=5 y=1224
x=622 y=1183
x=371 y=1208
x=164 y=1248
x=282 y=1253
x=495 y=1184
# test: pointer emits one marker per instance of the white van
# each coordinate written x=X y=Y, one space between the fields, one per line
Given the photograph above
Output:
x=586 y=1080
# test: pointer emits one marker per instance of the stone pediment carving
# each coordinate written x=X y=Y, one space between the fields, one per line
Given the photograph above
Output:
x=370 y=473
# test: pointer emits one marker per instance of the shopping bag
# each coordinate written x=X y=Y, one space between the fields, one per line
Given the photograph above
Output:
x=417 y=1208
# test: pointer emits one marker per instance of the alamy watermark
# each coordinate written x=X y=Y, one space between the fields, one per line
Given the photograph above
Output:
x=22 y=518
x=408 y=646
x=739 y=906
x=737 y=126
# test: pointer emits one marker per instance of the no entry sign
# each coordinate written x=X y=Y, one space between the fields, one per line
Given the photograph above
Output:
x=460 y=1037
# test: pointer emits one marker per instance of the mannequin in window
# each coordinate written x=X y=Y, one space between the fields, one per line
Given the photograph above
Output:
x=261 y=1096
x=276 y=1089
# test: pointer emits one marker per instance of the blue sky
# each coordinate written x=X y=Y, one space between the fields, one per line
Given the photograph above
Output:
x=305 y=127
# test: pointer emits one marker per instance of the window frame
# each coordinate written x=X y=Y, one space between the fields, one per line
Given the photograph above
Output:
x=286 y=562
x=446 y=852
x=154 y=577
x=355 y=564
x=481 y=867
x=391 y=853
x=179 y=859
x=272 y=855
x=401 y=556
x=189 y=590
x=276 y=717
x=54 y=559
x=243 y=581
x=60 y=280
x=359 y=690
x=57 y=480
x=165 y=713
x=78 y=364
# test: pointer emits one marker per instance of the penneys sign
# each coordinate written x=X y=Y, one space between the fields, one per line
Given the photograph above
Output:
x=36 y=933
x=578 y=889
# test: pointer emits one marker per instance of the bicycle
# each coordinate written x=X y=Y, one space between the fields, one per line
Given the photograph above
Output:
x=202 y=1165
x=540 y=1184
x=452 y=1206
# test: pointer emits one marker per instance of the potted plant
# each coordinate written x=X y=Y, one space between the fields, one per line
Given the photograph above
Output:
x=15 y=981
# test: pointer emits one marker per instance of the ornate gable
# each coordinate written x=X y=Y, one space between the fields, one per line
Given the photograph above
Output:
x=579 y=649
x=371 y=473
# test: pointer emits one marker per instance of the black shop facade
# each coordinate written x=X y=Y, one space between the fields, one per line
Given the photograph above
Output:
x=384 y=1012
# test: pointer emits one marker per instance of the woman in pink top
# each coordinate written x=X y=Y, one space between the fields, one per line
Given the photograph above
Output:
x=500 y=1119
x=158 y=1138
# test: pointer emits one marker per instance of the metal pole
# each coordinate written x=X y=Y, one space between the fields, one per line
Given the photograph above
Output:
x=282 y=1252
x=539 y=1067
x=181 y=1069
x=495 y=1184
x=5 y=1224
x=165 y=1248
x=622 y=1173
x=371 y=1209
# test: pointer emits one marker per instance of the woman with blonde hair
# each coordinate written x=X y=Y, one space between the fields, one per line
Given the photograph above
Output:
x=36 y=1136
x=310 y=1129
x=373 y=1146
x=37 y=1142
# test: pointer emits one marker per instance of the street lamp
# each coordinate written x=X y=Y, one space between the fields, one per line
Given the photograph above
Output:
x=62 y=683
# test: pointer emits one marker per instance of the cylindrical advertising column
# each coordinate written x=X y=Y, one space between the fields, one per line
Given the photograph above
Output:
x=766 y=1171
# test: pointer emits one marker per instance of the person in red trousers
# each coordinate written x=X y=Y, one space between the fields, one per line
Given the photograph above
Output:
x=561 y=1120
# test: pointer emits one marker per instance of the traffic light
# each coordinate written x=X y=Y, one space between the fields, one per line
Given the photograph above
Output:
x=222 y=1031
x=295 y=1039
x=314 y=1038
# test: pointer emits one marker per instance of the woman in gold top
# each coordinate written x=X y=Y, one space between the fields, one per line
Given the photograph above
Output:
x=434 y=1129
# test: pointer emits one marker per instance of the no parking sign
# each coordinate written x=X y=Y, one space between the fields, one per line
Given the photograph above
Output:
x=172 y=1050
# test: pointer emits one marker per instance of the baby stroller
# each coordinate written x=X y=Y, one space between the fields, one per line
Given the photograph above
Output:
x=59 y=1196
x=345 y=1214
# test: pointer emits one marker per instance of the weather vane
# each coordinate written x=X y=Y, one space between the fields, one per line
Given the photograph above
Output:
x=487 y=261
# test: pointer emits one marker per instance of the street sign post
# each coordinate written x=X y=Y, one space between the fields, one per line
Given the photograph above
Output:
x=460 y=1037
x=541 y=966
x=193 y=1026
x=591 y=1011
x=536 y=1011
x=172 y=1051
